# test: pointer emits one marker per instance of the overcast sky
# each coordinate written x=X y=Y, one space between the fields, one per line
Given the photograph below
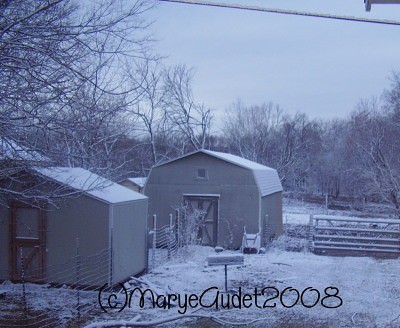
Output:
x=318 y=66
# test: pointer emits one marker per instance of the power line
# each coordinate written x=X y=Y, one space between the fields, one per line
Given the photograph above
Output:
x=286 y=12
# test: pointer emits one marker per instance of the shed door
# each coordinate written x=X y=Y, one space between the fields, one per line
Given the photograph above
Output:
x=27 y=247
x=208 y=206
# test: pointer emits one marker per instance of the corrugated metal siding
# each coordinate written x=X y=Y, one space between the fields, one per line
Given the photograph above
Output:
x=268 y=181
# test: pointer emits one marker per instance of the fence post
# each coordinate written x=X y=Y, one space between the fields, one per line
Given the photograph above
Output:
x=178 y=228
x=285 y=225
x=170 y=232
x=266 y=226
x=326 y=203
x=78 y=269
x=111 y=259
x=310 y=232
x=153 y=253
x=23 y=281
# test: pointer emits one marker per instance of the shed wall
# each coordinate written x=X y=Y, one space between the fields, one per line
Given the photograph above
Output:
x=239 y=196
x=84 y=218
x=4 y=242
x=129 y=239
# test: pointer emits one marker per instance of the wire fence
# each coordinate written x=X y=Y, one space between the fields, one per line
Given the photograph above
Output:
x=65 y=294
x=165 y=243
x=170 y=241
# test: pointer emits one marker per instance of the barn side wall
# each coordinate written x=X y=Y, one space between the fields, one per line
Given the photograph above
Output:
x=271 y=205
x=129 y=239
x=4 y=243
x=87 y=219
x=239 y=196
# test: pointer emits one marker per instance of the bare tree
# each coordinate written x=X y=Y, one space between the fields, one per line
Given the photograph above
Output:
x=149 y=110
x=375 y=141
x=250 y=129
x=392 y=97
x=266 y=135
x=298 y=144
x=192 y=120
x=52 y=51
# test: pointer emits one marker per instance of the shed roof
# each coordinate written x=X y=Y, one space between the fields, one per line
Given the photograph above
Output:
x=267 y=178
x=139 y=181
x=91 y=183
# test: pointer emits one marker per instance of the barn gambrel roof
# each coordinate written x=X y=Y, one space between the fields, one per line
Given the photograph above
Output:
x=267 y=178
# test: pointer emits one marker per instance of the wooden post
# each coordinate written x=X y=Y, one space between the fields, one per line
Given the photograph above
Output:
x=23 y=281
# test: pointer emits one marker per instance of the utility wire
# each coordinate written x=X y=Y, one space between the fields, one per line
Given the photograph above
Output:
x=286 y=12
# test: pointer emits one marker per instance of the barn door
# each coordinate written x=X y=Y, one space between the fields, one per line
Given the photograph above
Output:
x=27 y=247
x=207 y=206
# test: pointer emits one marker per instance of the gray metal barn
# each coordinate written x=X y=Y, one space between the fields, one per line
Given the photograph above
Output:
x=103 y=223
x=232 y=191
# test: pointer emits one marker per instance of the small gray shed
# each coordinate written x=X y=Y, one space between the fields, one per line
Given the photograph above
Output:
x=232 y=192
x=96 y=235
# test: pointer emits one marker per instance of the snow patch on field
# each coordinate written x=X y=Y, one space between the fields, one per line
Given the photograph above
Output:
x=295 y=218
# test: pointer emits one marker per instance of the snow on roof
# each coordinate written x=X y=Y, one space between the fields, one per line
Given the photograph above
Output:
x=9 y=149
x=140 y=181
x=267 y=178
x=91 y=183
x=237 y=160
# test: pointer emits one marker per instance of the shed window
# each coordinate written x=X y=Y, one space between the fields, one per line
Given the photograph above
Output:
x=202 y=173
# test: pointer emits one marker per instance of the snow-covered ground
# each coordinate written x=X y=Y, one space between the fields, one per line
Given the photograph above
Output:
x=368 y=288
x=365 y=292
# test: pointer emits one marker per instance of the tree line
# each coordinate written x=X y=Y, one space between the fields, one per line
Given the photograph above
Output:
x=82 y=85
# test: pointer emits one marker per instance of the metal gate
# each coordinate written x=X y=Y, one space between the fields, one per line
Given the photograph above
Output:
x=28 y=245
x=349 y=235
x=208 y=206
